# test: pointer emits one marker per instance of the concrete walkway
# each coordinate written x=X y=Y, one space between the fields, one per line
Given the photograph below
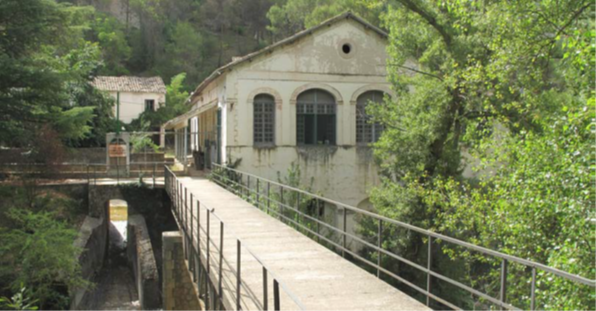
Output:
x=318 y=277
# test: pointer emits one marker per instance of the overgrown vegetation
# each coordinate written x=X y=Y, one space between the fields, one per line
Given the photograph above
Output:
x=506 y=88
x=37 y=231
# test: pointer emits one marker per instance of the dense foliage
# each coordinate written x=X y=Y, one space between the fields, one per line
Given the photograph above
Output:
x=37 y=231
x=45 y=66
x=490 y=140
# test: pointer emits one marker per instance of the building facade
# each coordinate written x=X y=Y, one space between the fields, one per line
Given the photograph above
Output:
x=300 y=101
x=136 y=94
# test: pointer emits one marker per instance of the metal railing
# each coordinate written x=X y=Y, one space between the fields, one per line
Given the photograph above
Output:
x=267 y=199
x=89 y=171
x=190 y=224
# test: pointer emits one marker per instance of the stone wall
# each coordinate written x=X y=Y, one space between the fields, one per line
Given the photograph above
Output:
x=179 y=291
x=140 y=256
x=93 y=239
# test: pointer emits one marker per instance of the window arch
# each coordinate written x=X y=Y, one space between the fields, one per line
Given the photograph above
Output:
x=264 y=119
x=315 y=118
x=367 y=131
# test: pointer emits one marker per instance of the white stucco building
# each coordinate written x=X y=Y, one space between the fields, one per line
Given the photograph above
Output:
x=300 y=100
x=137 y=94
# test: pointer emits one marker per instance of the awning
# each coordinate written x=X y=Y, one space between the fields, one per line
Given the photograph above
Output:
x=183 y=118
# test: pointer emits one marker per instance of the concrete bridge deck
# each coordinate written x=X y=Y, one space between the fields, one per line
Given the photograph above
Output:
x=318 y=277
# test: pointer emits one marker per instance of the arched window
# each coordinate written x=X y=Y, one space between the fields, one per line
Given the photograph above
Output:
x=315 y=118
x=367 y=131
x=264 y=119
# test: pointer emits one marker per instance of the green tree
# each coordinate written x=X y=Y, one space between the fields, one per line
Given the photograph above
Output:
x=43 y=56
x=502 y=84
x=291 y=16
x=38 y=253
x=176 y=104
x=109 y=33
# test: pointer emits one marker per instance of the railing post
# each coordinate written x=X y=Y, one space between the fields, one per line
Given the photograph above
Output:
x=221 y=246
x=265 y=298
x=428 y=263
x=94 y=175
x=208 y=242
x=503 y=293
x=154 y=167
x=238 y=275
x=207 y=265
x=199 y=239
x=185 y=222
x=276 y=302
x=380 y=246
x=345 y=213
x=88 y=177
x=258 y=195
x=533 y=293
x=118 y=173
x=268 y=197
x=248 y=188
x=281 y=206
x=191 y=263
x=319 y=208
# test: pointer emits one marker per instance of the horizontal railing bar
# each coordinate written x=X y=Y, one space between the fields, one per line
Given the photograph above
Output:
x=435 y=235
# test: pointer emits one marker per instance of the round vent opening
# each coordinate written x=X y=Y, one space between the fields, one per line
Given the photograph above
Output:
x=346 y=48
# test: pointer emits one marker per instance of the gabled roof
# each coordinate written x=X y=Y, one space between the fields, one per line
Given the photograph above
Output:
x=130 y=84
x=348 y=15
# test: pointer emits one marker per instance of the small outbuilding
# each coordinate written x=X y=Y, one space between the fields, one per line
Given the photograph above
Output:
x=137 y=94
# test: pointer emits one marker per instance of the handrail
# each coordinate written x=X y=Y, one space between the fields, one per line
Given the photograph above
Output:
x=430 y=234
x=170 y=180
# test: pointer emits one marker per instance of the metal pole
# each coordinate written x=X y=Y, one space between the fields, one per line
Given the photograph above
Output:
x=258 y=195
x=265 y=298
x=533 y=294
x=276 y=302
x=380 y=246
x=185 y=221
x=154 y=166
x=208 y=241
x=248 y=187
x=503 y=295
x=268 y=197
x=343 y=251
x=319 y=216
x=238 y=276
x=428 y=263
x=192 y=240
x=281 y=206
x=199 y=239
x=221 y=245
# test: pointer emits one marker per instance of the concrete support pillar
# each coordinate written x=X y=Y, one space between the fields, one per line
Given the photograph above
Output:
x=179 y=291
x=162 y=137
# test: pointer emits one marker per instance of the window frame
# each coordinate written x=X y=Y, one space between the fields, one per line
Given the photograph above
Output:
x=258 y=103
x=375 y=128
x=317 y=106
x=152 y=104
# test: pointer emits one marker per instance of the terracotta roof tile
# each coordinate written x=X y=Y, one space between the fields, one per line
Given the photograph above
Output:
x=130 y=84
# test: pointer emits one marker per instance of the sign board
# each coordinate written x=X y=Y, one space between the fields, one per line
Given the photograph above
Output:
x=117 y=150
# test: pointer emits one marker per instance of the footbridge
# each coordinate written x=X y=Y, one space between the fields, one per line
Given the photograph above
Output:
x=254 y=244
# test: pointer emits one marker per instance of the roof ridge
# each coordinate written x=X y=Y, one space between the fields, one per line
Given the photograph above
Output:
x=348 y=14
